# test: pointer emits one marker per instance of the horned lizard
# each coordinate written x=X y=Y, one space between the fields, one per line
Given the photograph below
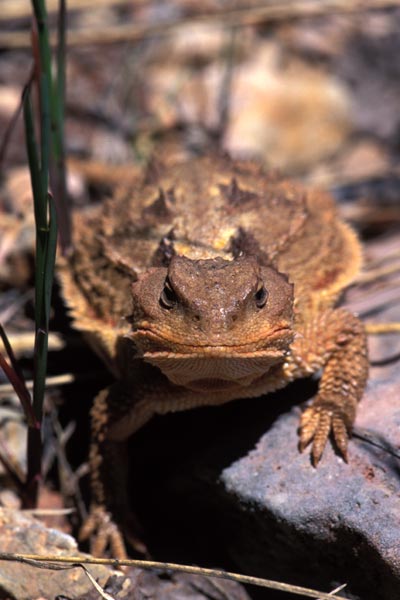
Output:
x=207 y=282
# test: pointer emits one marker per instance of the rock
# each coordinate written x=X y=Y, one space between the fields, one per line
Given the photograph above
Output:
x=21 y=533
x=276 y=108
x=337 y=523
x=13 y=434
x=165 y=585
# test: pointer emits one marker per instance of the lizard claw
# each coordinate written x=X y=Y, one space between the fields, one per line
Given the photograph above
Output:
x=104 y=532
x=316 y=423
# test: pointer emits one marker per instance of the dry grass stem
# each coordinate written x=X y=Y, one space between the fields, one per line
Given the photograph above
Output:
x=49 y=512
x=374 y=274
x=40 y=562
x=23 y=342
x=379 y=328
x=55 y=380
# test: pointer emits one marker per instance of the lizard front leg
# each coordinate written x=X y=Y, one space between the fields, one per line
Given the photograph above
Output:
x=109 y=474
x=336 y=343
x=117 y=413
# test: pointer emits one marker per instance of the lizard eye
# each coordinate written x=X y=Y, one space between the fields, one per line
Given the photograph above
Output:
x=261 y=296
x=168 y=298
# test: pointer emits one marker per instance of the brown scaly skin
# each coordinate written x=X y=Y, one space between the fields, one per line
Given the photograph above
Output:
x=209 y=282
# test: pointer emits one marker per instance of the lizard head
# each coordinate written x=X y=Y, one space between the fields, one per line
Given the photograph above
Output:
x=212 y=323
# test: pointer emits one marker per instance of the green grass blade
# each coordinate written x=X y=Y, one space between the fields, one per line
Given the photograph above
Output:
x=31 y=145
x=50 y=256
x=45 y=146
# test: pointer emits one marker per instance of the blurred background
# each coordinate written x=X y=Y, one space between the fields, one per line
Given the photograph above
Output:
x=310 y=88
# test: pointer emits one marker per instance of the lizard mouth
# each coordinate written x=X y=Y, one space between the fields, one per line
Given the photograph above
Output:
x=217 y=352
x=217 y=367
x=154 y=344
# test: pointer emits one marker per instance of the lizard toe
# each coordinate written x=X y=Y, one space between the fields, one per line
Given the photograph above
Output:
x=103 y=533
x=308 y=426
x=317 y=423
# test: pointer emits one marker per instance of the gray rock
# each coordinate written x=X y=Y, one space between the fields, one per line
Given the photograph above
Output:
x=167 y=585
x=339 y=522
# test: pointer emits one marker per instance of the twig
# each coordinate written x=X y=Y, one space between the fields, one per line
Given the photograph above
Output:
x=49 y=512
x=22 y=342
x=55 y=380
x=147 y=564
x=379 y=328
x=374 y=274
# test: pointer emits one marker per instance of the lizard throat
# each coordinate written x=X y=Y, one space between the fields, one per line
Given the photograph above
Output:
x=217 y=385
x=213 y=373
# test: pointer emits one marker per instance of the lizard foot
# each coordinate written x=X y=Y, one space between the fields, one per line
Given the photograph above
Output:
x=316 y=423
x=103 y=532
